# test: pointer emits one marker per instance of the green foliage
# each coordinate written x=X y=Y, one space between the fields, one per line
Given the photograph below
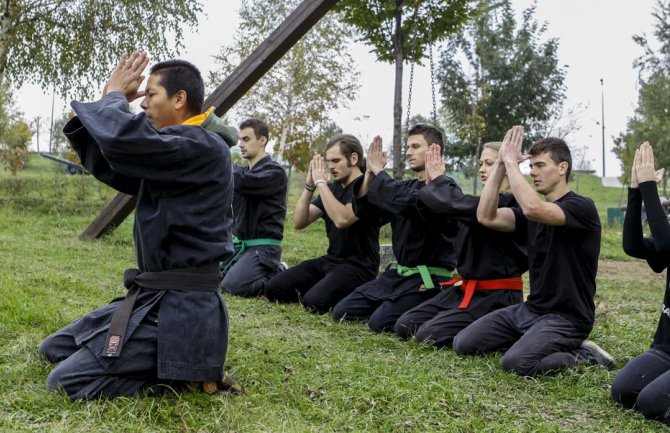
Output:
x=72 y=44
x=508 y=76
x=649 y=123
x=59 y=142
x=14 y=151
x=297 y=96
x=18 y=135
x=15 y=133
x=422 y=22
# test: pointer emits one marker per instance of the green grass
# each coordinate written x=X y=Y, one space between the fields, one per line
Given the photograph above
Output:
x=302 y=372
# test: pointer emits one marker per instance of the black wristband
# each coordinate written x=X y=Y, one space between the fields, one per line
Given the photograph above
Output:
x=310 y=188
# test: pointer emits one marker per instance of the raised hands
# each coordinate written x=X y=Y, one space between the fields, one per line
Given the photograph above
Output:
x=377 y=159
x=644 y=168
x=434 y=163
x=127 y=76
x=317 y=170
x=510 y=150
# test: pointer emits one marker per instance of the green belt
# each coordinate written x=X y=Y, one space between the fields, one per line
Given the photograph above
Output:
x=241 y=245
x=425 y=272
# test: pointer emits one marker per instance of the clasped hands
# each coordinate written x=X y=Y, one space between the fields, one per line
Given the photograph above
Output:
x=377 y=158
x=316 y=173
x=644 y=167
x=510 y=149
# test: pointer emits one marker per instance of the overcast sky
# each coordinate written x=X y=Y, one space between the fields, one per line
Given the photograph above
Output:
x=595 y=42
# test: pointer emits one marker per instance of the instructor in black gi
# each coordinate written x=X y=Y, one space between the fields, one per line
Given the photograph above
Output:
x=172 y=325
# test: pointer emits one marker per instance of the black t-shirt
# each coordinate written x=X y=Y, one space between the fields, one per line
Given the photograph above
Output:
x=483 y=253
x=563 y=261
x=655 y=250
x=259 y=203
x=359 y=242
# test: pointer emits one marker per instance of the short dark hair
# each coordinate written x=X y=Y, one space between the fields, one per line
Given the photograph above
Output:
x=429 y=132
x=179 y=75
x=558 y=151
x=260 y=128
x=348 y=146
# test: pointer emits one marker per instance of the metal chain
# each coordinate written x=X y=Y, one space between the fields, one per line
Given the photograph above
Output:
x=409 y=96
x=432 y=67
x=432 y=85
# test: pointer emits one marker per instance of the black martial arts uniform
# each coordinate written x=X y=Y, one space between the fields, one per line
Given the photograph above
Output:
x=546 y=331
x=182 y=177
x=490 y=264
x=259 y=209
x=421 y=244
x=644 y=383
x=351 y=260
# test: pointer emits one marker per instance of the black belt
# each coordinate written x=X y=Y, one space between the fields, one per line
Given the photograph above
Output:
x=201 y=279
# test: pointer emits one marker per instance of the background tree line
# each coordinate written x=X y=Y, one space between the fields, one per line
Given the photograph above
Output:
x=492 y=71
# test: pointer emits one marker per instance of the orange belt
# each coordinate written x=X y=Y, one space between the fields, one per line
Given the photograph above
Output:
x=471 y=286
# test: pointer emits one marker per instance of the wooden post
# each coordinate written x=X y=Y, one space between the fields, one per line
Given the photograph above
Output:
x=111 y=217
x=273 y=48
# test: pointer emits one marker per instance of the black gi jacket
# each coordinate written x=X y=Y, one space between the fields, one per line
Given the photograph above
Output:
x=182 y=176
x=418 y=239
x=259 y=203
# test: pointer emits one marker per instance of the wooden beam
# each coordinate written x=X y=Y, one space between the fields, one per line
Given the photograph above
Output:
x=273 y=48
x=111 y=217
x=243 y=78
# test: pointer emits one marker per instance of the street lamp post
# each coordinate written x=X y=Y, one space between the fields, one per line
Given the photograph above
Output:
x=602 y=104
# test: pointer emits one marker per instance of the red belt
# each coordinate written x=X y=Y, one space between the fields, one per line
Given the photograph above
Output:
x=471 y=286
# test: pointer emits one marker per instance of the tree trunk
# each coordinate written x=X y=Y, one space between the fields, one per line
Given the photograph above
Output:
x=398 y=159
x=282 y=142
x=5 y=27
x=288 y=186
x=478 y=151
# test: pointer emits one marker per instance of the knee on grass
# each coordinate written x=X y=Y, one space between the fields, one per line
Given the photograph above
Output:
x=246 y=291
x=378 y=323
x=428 y=336
x=316 y=305
x=653 y=405
x=517 y=365
x=49 y=351
x=623 y=393
x=404 y=328
x=464 y=345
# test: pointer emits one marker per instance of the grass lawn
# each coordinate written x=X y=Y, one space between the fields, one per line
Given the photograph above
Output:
x=302 y=372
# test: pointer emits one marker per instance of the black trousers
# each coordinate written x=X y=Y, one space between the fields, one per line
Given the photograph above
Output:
x=250 y=273
x=81 y=375
x=439 y=319
x=536 y=343
x=644 y=384
x=318 y=283
x=381 y=314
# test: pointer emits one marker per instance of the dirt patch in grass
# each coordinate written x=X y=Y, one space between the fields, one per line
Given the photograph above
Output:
x=630 y=270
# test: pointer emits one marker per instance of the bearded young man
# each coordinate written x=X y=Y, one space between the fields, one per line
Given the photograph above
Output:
x=423 y=243
x=353 y=249
x=172 y=325
x=259 y=210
